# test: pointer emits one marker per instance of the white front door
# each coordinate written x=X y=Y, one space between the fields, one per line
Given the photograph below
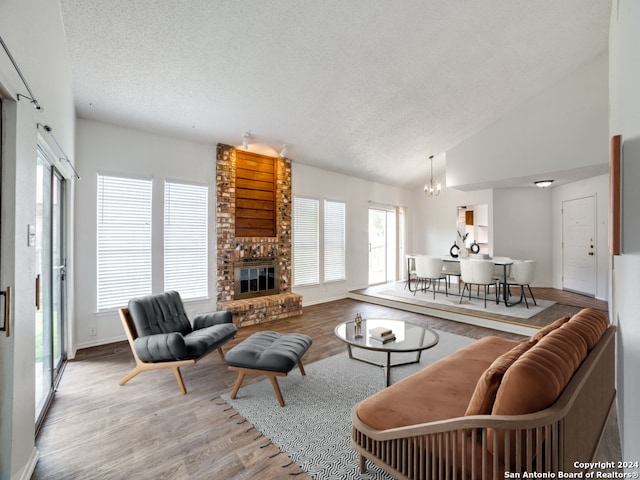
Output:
x=578 y=246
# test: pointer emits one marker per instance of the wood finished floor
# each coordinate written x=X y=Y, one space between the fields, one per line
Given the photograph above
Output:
x=148 y=430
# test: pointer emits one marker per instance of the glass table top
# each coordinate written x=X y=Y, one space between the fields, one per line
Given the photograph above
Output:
x=409 y=336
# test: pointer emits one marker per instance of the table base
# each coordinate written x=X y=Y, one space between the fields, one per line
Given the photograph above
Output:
x=388 y=365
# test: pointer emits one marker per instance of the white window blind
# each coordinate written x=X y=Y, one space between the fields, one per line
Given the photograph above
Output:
x=334 y=241
x=185 y=239
x=306 y=269
x=124 y=240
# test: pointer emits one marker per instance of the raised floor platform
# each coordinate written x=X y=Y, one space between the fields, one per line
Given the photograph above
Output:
x=567 y=303
x=250 y=311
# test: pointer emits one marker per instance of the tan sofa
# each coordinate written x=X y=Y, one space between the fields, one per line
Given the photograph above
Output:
x=496 y=406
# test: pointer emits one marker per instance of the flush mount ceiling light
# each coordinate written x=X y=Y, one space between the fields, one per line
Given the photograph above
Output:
x=543 y=183
x=284 y=151
x=432 y=189
x=245 y=140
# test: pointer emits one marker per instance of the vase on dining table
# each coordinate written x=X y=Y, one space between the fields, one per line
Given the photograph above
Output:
x=460 y=251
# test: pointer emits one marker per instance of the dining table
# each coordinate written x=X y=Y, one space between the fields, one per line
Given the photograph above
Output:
x=504 y=262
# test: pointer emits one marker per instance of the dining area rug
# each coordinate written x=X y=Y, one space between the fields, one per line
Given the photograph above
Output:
x=314 y=426
x=475 y=304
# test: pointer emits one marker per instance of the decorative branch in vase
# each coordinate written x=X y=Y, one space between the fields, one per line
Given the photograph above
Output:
x=463 y=252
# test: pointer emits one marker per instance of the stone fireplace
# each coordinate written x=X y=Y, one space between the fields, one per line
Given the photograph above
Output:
x=265 y=260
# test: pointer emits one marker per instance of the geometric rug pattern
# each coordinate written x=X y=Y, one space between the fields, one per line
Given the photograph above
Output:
x=314 y=426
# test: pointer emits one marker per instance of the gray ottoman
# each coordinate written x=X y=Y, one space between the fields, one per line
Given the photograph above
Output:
x=268 y=353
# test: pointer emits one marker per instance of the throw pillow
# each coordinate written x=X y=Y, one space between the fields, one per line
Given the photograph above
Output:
x=549 y=328
x=484 y=395
x=590 y=324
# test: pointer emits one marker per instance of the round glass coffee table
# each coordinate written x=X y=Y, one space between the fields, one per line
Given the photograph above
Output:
x=409 y=338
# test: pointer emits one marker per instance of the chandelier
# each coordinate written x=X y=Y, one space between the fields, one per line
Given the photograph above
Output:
x=432 y=188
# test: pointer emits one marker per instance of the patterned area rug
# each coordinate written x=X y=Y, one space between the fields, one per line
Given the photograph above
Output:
x=314 y=427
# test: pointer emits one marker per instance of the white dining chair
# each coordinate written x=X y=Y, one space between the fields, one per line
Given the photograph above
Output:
x=451 y=269
x=411 y=269
x=522 y=273
x=429 y=273
x=480 y=273
x=502 y=272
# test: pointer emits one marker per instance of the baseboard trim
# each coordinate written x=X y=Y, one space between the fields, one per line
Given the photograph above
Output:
x=27 y=471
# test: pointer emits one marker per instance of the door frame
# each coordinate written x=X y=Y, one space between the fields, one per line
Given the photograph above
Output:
x=399 y=239
x=55 y=174
x=594 y=238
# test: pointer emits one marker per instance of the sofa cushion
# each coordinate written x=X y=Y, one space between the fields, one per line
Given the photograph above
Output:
x=484 y=395
x=537 y=378
x=549 y=328
x=439 y=391
x=590 y=324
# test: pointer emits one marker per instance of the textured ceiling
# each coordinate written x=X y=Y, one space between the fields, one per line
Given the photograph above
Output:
x=365 y=87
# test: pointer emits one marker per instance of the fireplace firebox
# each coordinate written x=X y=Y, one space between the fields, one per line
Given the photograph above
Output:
x=255 y=278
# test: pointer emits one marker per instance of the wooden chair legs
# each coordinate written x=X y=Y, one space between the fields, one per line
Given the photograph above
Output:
x=141 y=366
x=178 y=375
x=271 y=375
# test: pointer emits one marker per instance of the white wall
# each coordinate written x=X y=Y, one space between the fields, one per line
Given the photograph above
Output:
x=435 y=218
x=562 y=128
x=358 y=194
x=33 y=32
x=108 y=149
x=519 y=224
x=522 y=228
x=624 y=78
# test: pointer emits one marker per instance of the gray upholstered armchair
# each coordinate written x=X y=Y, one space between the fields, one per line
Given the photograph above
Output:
x=161 y=336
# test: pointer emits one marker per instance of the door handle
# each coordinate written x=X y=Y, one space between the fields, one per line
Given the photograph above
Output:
x=6 y=326
x=38 y=292
x=591 y=253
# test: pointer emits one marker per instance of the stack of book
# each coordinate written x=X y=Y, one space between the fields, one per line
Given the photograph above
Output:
x=382 y=335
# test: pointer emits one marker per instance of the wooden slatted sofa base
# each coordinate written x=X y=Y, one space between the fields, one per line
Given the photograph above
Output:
x=536 y=406
x=268 y=353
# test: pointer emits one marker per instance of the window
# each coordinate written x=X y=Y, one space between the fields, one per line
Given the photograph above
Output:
x=306 y=249
x=334 y=241
x=309 y=252
x=185 y=239
x=124 y=240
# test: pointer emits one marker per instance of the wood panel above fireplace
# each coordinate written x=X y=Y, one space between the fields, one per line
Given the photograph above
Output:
x=255 y=195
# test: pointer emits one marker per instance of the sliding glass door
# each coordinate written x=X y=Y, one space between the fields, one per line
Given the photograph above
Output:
x=50 y=274
x=382 y=246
